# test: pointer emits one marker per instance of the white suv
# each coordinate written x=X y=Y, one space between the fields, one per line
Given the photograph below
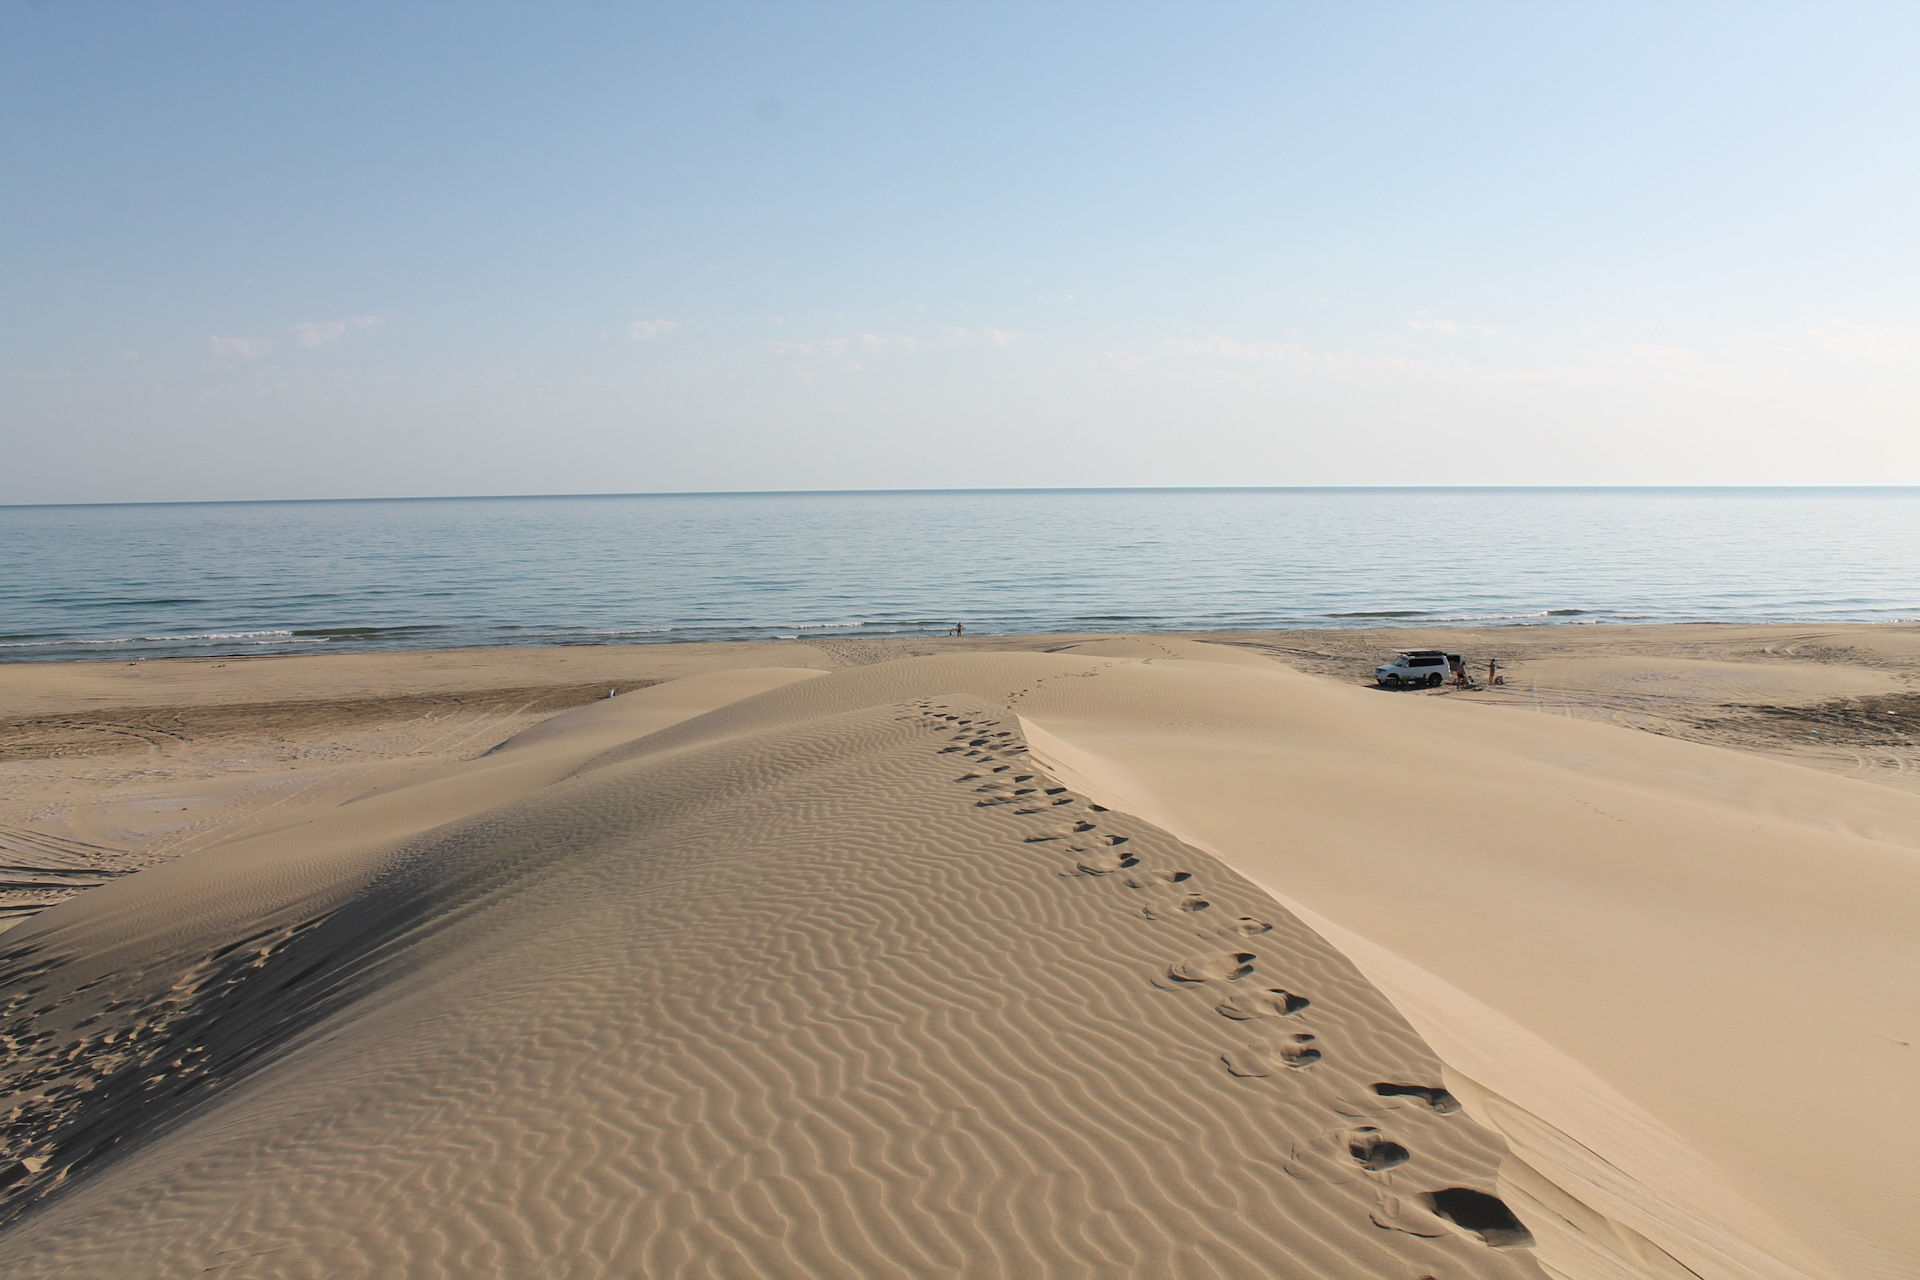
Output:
x=1416 y=666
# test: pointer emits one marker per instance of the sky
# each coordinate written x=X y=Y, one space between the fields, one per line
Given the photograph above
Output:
x=264 y=250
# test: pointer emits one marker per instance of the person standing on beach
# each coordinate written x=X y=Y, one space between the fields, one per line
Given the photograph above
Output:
x=959 y=628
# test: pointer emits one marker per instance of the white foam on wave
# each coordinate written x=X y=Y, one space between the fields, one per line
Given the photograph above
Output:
x=624 y=631
x=206 y=637
x=1483 y=617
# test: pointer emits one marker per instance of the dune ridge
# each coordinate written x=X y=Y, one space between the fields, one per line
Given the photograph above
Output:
x=822 y=982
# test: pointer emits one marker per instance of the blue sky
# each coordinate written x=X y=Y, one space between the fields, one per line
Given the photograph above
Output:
x=274 y=250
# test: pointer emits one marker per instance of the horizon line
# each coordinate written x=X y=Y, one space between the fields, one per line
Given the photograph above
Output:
x=773 y=493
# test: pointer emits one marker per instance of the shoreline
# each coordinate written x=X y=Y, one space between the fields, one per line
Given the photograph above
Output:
x=1548 y=621
x=1522 y=636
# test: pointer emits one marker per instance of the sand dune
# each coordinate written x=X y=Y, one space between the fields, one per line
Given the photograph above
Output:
x=822 y=983
x=1617 y=934
x=108 y=768
x=1143 y=957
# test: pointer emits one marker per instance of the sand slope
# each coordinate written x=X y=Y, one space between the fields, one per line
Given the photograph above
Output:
x=110 y=767
x=920 y=969
x=1843 y=699
x=1686 y=976
x=825 y=982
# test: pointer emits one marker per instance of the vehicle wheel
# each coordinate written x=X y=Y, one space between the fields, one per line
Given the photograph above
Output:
x=1434 y=680
x=1391 y=682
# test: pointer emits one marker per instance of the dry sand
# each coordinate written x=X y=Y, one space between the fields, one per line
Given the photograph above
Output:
x=1032 y=956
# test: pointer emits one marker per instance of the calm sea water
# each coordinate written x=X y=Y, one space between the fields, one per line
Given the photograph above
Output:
x=160 y=580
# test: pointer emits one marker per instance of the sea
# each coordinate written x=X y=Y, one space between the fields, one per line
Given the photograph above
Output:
x=166 y=580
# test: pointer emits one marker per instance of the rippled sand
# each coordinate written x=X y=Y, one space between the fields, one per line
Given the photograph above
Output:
x=1135 y=957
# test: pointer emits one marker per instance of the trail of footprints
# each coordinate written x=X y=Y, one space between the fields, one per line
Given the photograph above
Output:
x=1238 y=986
x=56 y=1081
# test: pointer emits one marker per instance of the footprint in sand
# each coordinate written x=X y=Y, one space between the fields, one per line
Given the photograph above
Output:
x=1189 y=905
x=1397 y=1213
x=1212 y=966
x=1374 y=1151
x=1101 y=862
x=1346 y=1155
x=1439 y=1099
x=1244 y=927
x=1154 y=878
x=1243 y=1006
x=1061 y=833
x=1456 y=1210
x=1270 y=1056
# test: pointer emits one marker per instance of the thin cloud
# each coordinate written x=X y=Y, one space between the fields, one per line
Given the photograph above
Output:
x=1219 y=360
x=317 y=333
x=1665 y=356
x=1450 y=326
x=238 y=348
x=992 y=337
x=641 y=330
x=844 y=351
x=817 y=349
x=1850 y=340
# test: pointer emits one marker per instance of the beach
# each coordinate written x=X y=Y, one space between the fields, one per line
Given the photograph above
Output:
x=1156 y=954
